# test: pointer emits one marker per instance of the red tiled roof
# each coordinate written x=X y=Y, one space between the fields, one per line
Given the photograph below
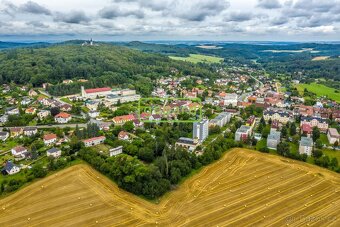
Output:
x=306 y=128
x=129 y=117
x=18 y=129
x=63 y=115
x=19 y=149
x=94 y=90
x=94 y=139
x=50 y=136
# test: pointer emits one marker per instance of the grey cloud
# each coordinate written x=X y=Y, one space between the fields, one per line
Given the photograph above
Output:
x=293 y=13
x=74 y=17
x=114 y=12
x=37 y=24
x=154 y=4
x=269 y=4
x=317 y=21
x=239 y=16
x=9 y=9
x=34 y=8
x=197 y=11
x=279 y=21
x=316 y=5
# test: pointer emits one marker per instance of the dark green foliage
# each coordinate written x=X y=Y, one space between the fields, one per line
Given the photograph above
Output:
x=316 y=133
x=154 y=179
x=39 y=171
x=92 y=130
x=105 y=65
x=283 y=149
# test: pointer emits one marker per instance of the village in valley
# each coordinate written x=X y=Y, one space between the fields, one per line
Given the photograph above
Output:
x=243 y=104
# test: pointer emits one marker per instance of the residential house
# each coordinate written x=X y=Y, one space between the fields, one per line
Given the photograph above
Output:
x=243 y=133
x=12 y=111
x=4 y=135
x=94 y=141
x=333 y=135
x=123 y=135
x=306 y=146
x=19 y=151
x=50 y=139
x=228 y=99
x=282 y=116
x=31 y=110
x=116 y=151
x=62 y=118
x=65 y=107
x=11 y=168
x=32 y=93
x=251 y=121
x=322 y=124
x=53 y=152
x=304 y=111
x=4 y=118
x=155 y=117
x=30 y=131
x=273 y=139
x=93 y=113
x=43 y=114
x=26 y=101
x=17 y=131
x=336 y=115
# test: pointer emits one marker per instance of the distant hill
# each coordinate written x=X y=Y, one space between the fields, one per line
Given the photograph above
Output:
x=103 y=65
x=7 y=45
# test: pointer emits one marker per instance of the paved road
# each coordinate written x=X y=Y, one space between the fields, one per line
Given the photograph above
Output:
x=81 y=125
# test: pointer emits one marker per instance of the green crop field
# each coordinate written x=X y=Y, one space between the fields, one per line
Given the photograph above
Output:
x=319 y=90
x=196 y=58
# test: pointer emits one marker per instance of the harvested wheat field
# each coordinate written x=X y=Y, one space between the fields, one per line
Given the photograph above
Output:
x=244 y=188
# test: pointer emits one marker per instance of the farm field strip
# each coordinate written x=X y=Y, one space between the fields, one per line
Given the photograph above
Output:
x=244 y=188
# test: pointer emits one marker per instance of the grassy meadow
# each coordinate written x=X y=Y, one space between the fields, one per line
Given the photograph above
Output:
x=319 y=90
x=196 y=58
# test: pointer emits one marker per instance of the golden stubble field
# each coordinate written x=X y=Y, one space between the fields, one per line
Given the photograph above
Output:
x=244 y=188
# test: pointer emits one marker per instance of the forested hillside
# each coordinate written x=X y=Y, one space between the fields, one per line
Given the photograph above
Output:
x=104 y=65
x=286 y=58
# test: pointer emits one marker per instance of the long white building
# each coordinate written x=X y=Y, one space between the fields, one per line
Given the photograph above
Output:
x=221 y=120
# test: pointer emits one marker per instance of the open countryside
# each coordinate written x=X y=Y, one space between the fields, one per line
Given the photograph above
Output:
x=319 y=90
x=196 y=58
x=243 y=188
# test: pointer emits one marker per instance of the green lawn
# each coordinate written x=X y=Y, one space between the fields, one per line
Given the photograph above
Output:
x=324 y=139
x=332 y=154
x=196 y=58
x=261 y=144
x=319 y=90
x=66 y=100
x=7 y=145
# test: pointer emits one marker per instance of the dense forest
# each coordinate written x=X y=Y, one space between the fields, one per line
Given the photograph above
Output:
x=103 y=65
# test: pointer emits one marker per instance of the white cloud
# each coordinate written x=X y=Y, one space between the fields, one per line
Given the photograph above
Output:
x=171 y=19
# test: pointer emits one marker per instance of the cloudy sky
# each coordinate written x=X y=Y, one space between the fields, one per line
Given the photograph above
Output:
x=123 y=20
